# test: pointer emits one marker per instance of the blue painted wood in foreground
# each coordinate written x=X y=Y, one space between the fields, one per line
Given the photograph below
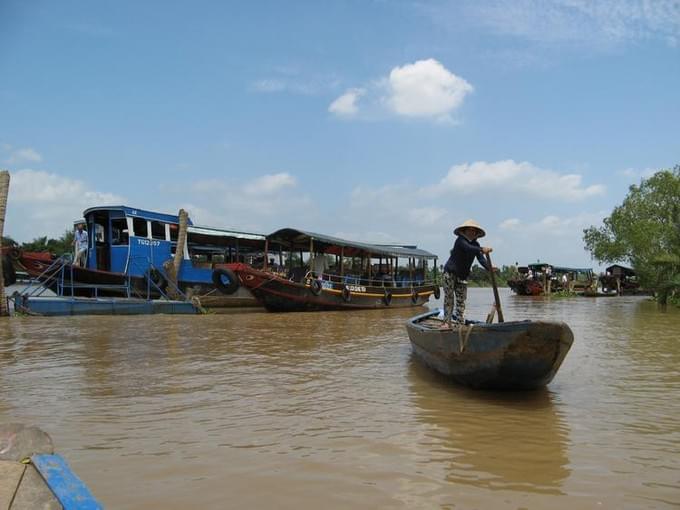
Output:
x=66 y=486
x=55 y=306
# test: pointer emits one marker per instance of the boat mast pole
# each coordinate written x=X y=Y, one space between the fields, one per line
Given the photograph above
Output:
x=311 y=254
x=266 y=254
x=342 y=261
x=4 y=191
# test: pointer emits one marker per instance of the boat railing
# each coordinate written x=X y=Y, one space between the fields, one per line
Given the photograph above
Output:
x=144 y=265
x=39 y=284
x=383 y=281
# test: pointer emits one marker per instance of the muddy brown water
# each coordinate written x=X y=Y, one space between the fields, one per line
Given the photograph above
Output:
x=309 y=410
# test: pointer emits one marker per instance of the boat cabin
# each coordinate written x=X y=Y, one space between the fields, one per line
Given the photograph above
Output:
x=555 y=278
x=301 y=255
x=133 y=241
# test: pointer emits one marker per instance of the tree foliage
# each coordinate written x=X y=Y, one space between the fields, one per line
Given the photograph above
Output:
x=644 y=231
x=60 y=246
x=480 y=277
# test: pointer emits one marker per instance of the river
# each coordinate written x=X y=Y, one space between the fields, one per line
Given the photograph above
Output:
x=330 y=410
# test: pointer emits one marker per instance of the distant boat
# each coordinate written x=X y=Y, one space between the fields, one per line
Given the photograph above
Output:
x=339 y=274
x=518 y=355
x=542 y=278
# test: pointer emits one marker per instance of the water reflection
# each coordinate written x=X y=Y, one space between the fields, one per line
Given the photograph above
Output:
x=504 y=441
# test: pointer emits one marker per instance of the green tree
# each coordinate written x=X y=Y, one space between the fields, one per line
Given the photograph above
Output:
x=8 y=241
x=60 y=246
x=643 y=231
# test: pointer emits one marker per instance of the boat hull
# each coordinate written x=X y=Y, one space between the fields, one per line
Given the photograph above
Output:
x=84 y=282
x=519 y=355
x=277 y=294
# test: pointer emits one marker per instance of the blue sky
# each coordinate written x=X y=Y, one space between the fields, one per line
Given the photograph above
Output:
x=379 y=121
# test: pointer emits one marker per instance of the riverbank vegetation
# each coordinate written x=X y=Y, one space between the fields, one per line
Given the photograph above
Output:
x=59 y=246
x=644 y=231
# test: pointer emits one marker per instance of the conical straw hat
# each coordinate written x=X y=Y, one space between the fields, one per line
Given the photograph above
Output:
x=472 y=224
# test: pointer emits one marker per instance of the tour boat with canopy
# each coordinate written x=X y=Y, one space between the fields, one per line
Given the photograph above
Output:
x=321 y=272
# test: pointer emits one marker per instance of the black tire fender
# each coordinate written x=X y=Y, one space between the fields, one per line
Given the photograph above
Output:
x=437 y=292
x=414 y=296
x=346 y=294
x=315 y=286
x=387 y=298
x=157 y=278
x=14 y=253
x=218 y=281
x=8 y=272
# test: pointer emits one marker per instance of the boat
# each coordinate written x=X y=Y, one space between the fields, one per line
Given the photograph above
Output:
x=515 y=355
x=131 y=248
x=544 y=279
x=622 y=281
x=338 y=274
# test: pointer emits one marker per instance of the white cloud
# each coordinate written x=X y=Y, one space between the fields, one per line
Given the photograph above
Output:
x=425 y=89
x=24 y=155
x=346 y=104
x=636 y=175
x=512 y=177
x=43 y=203
x=554 y=225
x=260 y=204
x=293 y=81
x=426 y=215
x=269 y=85
x=509 y=224
x=595 y=23
x=269 y=184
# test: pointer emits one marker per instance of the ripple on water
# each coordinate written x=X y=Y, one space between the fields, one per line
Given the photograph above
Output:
x=331 y=409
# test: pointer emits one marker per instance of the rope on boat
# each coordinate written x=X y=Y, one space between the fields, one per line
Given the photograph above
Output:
x=272 y=277
x=463 y=339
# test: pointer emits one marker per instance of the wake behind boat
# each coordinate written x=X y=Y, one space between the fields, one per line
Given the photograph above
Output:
x=517 y=355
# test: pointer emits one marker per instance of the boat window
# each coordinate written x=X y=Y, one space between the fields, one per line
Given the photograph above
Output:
x=139 y=226
x=158 y=230
x=99 y=232
x=174 y=232
x=119 y=231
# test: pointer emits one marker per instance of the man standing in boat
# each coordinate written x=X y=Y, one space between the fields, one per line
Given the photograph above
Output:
x=80 y=242
x=457 y=268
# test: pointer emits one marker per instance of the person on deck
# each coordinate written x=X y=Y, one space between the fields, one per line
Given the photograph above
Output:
x=457 y=268
x=80 y=243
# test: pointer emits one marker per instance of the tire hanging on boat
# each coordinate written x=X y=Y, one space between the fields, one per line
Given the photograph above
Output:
x=156 y=278
x=315 y=287
x=414 y=296
x=8 y=272
x=387 y=298
x=437 y=292
x=346 y=294
x=225 y=288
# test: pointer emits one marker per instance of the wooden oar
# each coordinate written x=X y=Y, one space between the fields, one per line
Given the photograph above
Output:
x=495 y=289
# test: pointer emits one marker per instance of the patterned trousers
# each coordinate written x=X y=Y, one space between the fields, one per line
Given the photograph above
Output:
x=455 y=291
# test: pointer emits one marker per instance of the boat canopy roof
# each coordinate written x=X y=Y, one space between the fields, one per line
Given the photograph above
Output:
x=218 y=232
x=627 y=271
x=139 y=213
x=538 y=266
x=294 y=239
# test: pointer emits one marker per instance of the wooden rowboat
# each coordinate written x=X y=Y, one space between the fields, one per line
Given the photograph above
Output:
x=506 y=356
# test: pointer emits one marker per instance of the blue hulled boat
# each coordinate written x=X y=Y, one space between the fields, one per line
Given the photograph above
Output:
x=129 y=252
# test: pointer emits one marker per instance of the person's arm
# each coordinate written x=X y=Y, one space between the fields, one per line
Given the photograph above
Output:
x=482 y=259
